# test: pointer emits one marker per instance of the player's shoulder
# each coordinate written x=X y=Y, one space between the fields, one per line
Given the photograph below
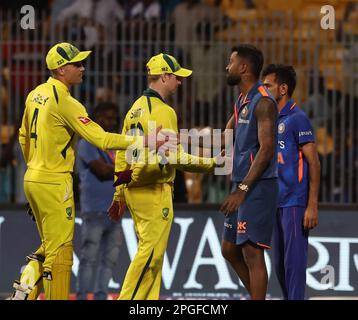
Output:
x=263 y=94
x=298 y=114
x=69 y=102
x=40 y=95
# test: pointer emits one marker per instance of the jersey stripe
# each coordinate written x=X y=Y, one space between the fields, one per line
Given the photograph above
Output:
x=63 y=152
x=142 y=274
x=300 y=167
x=149 y=104
x=55 y=93
x=263 y=91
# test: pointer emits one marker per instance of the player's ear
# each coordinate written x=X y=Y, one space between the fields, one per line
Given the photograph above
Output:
x=243 y=67
x=283 y=89
x=61 y=71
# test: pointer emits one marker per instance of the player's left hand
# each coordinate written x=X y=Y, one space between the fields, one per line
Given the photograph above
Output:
x=310 y=219
x=116 y=210
x=123 y=177
x=232 y=202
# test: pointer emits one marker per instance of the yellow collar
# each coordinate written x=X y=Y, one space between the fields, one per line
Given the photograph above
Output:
x=58 y=84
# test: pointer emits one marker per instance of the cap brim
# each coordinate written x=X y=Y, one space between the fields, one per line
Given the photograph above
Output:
x=182 y=72
x=81 y=56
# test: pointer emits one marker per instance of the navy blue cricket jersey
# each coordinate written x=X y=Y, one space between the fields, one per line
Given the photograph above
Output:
x=246 y=143
x=294 y=130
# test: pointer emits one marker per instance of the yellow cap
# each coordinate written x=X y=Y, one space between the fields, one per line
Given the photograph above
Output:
x=164 y=63
x=63 y=53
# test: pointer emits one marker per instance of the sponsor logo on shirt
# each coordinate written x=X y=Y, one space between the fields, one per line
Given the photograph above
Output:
x=244 y=121
x=281 y=128
x=305 y=133
x=241 y=227
x=84 y=120
x=227 y=225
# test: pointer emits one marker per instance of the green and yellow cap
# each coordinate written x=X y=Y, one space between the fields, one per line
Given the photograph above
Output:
x=63 y=53
x=164 y=63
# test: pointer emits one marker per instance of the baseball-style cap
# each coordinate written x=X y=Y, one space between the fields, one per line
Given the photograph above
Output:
x=63 y=53
x=164 y=63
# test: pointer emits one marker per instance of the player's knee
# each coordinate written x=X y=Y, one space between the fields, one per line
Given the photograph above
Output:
x=57 y=280
x=110 y=261
x=63 y=261
x=228 y=251
x=64 y=255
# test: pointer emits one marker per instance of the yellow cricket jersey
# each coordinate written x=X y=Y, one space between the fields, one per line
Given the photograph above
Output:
x=151 y=107
x=51 y=119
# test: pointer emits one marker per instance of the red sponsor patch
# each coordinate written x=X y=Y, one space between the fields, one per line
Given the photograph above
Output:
x=84 y=120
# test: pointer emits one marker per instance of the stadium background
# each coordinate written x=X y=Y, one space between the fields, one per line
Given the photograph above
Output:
x=123 y=35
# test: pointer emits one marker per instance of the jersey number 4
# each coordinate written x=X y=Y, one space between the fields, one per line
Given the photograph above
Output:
x=33 y=127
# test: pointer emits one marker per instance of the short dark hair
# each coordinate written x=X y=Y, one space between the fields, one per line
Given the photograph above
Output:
x=104 y=106
x=284 y=74
x=253 y=55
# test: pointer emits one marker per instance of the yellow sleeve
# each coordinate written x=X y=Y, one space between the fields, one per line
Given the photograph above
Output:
x=75 y=116
x=187 y=162
x=180 y=159
x=24 y=131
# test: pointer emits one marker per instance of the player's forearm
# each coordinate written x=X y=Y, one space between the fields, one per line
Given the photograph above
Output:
x=114 y=141
x=24 y=149
x=314 y=167
x=191 y=163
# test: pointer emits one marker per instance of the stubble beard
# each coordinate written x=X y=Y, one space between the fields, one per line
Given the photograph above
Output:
x=233 y=80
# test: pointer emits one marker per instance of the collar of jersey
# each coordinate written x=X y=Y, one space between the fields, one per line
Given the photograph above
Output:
x=253 y=90
x=287 y=108
x=57 y=83
x=152 y=93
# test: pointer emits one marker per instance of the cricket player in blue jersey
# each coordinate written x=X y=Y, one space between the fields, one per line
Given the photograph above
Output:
x=299 y=178
x=250 y=209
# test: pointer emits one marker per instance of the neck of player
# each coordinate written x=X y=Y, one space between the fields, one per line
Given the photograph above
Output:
x=246 y=85
x=158 y=88
x=281 y=104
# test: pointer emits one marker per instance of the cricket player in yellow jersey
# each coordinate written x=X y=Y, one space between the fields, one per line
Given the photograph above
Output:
x=148 y=187
x=51 y=119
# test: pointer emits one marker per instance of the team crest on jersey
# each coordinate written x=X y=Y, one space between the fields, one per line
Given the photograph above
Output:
x=84 y=120
x=281 y=128
x=165 y=213
x=137 y=113
x=69 y=213
x=244 y=112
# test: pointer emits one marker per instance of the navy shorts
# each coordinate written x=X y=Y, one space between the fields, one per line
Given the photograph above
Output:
x=255 y=217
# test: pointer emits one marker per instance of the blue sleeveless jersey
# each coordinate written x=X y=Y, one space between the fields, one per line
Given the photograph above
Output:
x=246 y=143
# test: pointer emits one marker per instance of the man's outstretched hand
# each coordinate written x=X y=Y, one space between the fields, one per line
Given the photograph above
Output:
x=123 y=177
x=116 y=210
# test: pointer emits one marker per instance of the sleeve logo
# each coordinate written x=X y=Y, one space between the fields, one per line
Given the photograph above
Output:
x=305 y=133
x=84 y=120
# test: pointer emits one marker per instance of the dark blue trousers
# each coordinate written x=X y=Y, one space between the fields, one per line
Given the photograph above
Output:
x=290 y=242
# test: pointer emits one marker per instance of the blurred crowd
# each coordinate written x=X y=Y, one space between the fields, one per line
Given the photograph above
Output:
x=123 y=34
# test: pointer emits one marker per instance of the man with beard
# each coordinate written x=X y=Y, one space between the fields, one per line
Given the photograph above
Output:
x=251 y=207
